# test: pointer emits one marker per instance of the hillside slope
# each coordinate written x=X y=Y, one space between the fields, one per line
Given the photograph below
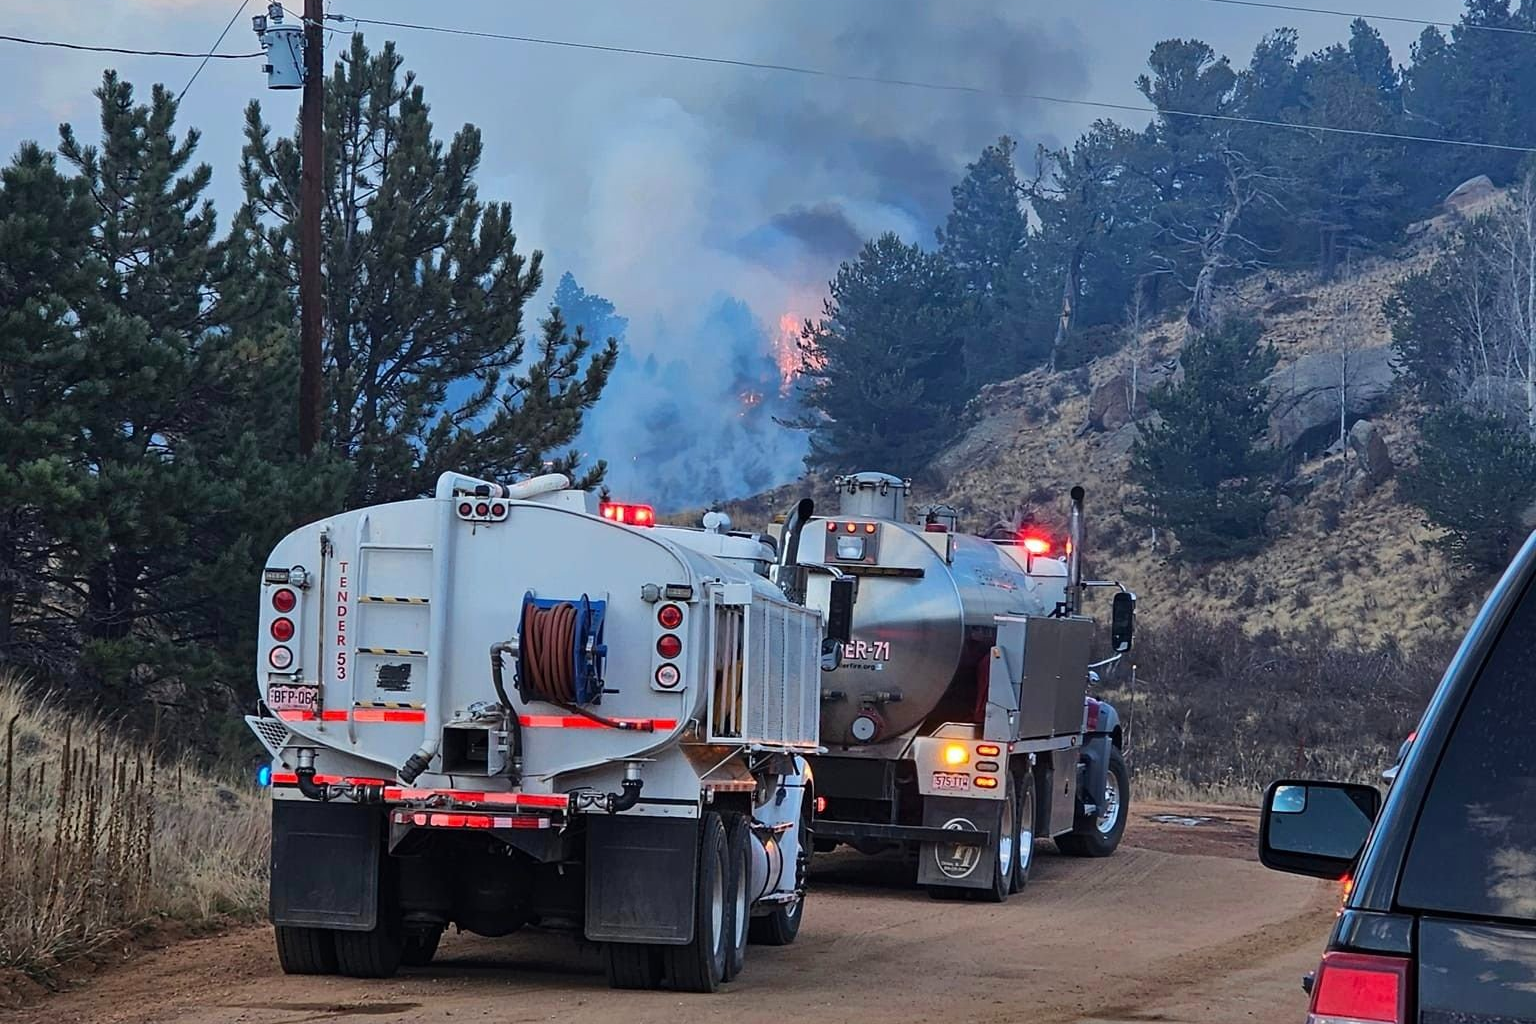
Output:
x=1358 y=565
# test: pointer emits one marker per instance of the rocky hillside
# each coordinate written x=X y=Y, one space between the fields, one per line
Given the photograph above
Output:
x=1345 y=554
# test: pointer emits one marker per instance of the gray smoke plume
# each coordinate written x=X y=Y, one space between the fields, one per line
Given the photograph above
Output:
x=720 y=203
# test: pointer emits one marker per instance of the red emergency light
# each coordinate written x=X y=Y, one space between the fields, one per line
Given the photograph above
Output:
x=629 y=515
x=1036 y=545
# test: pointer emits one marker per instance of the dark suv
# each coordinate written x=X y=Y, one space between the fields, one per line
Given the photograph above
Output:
x=1440 y=924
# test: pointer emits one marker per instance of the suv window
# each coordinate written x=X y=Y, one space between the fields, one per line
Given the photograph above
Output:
x=1474 y=849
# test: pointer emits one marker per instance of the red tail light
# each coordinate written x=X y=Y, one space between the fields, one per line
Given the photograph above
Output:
x=1359 y=988
x=669 y=646
x=285 y=600
x=670 y=616
x=282 y=630
x=629 y=515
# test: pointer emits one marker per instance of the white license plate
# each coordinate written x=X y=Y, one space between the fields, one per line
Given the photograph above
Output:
x=293 y=697
x=951 y=780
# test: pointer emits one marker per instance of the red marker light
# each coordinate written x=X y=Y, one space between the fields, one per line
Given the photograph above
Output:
x=669 y=646
x=831 y=527
x=629 y=515
x=498 y=510
x=466 y=509
x=1037 y=545
x=285 y=601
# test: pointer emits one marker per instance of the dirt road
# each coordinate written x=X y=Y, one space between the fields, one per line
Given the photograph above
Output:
x=1180 y=925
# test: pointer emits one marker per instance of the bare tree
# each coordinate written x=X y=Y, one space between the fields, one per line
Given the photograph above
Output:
x=1515 y=238
x=1135 y=328
x=1217 y=244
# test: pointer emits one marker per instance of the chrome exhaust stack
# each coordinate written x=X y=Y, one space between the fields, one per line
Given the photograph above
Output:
x=787 y=574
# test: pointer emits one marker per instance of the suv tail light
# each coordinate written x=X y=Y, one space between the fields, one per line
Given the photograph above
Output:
x=1359 y=988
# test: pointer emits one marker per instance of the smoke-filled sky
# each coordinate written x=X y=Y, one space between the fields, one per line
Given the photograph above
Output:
x=708 y=202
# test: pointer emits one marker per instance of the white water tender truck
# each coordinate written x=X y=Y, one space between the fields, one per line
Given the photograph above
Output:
x=506 y=706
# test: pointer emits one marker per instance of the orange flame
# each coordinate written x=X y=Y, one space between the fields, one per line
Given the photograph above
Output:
x=786 y=351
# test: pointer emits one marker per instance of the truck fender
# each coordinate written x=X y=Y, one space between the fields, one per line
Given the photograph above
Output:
x=1096 y=749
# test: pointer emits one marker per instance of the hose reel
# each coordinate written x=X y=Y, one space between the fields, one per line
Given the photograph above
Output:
x=560 y=651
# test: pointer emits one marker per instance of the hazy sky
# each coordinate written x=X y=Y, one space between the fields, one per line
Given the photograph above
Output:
x=667 y=186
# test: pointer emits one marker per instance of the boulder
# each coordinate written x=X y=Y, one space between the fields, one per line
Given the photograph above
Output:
x=1472 y=196
x=1109 y=406
x=1305 y=395
x=1374 y=462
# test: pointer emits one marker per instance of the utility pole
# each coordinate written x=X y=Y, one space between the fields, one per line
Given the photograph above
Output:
x=311 y=204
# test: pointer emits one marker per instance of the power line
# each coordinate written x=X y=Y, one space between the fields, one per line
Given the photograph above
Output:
x=932 y=86
x=1297 y=9
x=57 y=44
x=216 y=44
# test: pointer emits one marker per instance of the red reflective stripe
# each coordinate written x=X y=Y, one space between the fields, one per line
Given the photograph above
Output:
x=310 y=716
x=292 y=779
x=582 y=722
x=388 y=715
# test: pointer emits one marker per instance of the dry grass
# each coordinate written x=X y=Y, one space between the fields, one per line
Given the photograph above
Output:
x=1218 y=713
x=98 y=837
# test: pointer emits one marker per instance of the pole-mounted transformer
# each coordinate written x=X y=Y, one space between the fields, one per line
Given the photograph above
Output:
x=284 y=45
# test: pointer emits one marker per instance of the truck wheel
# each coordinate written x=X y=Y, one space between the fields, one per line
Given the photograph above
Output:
x=370 y=954
x=1006 y=848
x=633 y=966
x=420 y=947
x=738 y=848
x=306 y=950
x=1024 y=853
x=699 y=966
x=1099 y=835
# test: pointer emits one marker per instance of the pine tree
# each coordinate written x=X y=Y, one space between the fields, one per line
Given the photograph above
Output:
x=884 y=369
x=1201 y=468
x=425 y=293
x=46 y=278
x=151 y=465
x=1475 y=479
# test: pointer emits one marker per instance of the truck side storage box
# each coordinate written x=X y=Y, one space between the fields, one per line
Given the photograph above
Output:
x=638 y=889
x=325 y=864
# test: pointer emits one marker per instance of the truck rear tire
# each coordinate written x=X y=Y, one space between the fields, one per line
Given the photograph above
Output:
x=1099 y=835
x=1006 y=849
x=738 y=848
x=633 y=966
x=370 y=954
x=699 y=966
x=306 y=950
x=1024 y=849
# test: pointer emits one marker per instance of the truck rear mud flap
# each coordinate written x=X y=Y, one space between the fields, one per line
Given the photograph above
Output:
x=964 y=863
x=325 y=865
x=641 y=879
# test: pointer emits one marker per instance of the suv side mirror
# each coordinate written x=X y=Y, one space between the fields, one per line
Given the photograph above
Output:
x=831 y=654
x=845 y=590
x=1122 y=622
x=1316 y=828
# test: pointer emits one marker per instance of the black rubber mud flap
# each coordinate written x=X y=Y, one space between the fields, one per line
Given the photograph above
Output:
x=639 y=884
x=325 y=865
x=948 y=864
